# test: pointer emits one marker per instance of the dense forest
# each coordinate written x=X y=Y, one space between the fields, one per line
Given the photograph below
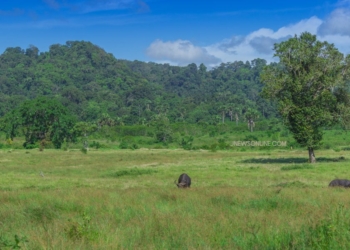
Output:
x=93 y=84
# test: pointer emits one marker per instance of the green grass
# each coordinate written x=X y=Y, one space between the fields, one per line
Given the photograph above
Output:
x=126 y=199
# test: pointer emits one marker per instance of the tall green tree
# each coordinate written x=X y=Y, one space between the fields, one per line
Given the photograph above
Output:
x=309 y=87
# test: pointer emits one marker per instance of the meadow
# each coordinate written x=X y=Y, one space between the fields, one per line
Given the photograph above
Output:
x=127 y=199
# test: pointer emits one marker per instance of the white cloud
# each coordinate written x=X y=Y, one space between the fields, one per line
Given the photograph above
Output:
x=181 y=52
x=341 y=42
x=257 y=44
x=338 y=23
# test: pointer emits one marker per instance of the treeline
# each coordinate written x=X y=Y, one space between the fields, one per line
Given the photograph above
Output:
x=94 y=85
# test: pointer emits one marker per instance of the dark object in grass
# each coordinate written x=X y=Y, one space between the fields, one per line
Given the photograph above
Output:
x=340 y=183
x=184 y=181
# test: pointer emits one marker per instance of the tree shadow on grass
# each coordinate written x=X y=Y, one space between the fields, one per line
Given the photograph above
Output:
x=293 y=160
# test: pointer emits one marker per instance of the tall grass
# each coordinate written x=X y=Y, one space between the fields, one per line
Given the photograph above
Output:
x=127 y=200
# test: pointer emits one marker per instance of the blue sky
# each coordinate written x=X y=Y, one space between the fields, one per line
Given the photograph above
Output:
x=174 y=31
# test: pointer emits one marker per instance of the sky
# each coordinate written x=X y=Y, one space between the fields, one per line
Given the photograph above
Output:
x=178 y=32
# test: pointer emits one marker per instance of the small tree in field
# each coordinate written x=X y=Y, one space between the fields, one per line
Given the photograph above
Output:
x=309 y=87
x=84 y=129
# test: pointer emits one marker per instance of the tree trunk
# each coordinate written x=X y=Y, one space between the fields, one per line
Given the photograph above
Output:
x=230 y=114
x=312 y=158
x=251 y=125
x=223 y=116
x=85 y=142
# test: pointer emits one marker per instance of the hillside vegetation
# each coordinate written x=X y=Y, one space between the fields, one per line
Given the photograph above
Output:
x=93 y=83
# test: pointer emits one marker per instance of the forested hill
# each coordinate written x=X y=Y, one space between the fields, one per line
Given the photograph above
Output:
x=92 y=83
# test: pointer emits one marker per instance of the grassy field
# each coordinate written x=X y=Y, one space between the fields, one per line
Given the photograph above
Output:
x=127 y=199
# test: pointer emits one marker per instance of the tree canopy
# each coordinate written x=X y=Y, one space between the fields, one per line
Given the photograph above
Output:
x=41 y=119
x=310 y=87
x=91 y=82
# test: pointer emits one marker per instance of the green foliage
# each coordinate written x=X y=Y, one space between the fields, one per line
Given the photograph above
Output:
x=134 y=146
x=124 y=144
x=186 y=142
x=83 y=130
x=95 y=144
x=222 y=144
x=16 y=244
x=163 y=131
x=10 y=124
x=96 y=87
x=81 y=228
x=251 y=138
x=309 y=87
x=40 y=119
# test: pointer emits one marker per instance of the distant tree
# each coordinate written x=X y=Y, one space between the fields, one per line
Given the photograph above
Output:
x=163 y=132
x=223 y=110
x=40 y=119
x=105 y=120
x=237 y=112
x=10 y=124
x=309 y=87
x=251 y=115
x=83 y=130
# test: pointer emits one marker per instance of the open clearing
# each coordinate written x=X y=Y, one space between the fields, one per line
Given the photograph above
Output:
x=126 y=199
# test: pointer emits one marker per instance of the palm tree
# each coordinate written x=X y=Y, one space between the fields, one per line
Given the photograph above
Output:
x=251 y=115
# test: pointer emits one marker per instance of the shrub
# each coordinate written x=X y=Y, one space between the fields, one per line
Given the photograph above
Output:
x=16 y=244
x=95 y=144
x=250 y=138
x=123 y=144
x=186 y=142
x=336 y=149
x=82 y=229
x=30 y=146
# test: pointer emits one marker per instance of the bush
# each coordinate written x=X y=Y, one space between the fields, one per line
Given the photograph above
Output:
x=30 y=146
x=250 y=138
x=186 y=142
x=213 y=133
x=222 y=144
x=214 y=147
x=95 y=144
x=123 y=144
x=336 y=149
